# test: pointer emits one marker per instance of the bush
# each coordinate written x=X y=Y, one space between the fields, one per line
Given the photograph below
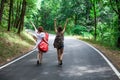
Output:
x=79 y=30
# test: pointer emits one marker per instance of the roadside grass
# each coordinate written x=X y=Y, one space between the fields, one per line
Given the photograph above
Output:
x=13 y=45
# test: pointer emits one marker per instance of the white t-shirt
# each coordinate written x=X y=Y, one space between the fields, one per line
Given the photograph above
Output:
x=39 y=37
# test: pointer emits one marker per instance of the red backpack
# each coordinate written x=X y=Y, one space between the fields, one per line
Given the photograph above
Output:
x=43 y=46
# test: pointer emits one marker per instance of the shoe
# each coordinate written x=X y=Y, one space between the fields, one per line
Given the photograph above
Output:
x=60 y=62
x=38 y=62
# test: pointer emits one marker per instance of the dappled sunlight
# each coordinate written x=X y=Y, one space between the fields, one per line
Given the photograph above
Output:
x=12 y=38
x=45 y=73
x=83 y=70
x=73 y=71
x=83 y=41
x=103 y=69
x=51 y=36
x=14 y=44
x=32 y=60
x=73 y=46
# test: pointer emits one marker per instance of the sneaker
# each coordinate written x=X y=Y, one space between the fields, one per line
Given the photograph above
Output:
x=60 y=62
x=38 y=62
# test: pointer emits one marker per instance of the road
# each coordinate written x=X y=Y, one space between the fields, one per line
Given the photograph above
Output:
x=80 y=62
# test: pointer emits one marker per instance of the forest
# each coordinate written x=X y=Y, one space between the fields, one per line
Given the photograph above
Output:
x=97 y=20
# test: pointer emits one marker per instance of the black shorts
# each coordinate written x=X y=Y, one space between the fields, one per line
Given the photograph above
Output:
x=62 y=46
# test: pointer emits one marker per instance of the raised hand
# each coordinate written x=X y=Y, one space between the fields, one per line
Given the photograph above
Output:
x=67 y=19
x=34 y=26
x=55 y=19
x=55 y=25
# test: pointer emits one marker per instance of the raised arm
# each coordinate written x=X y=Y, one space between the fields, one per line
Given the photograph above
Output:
x=34 y=26
x=65 y=26
x=55 y=25
x=34 y=36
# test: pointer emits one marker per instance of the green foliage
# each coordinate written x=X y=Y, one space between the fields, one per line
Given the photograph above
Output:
x=69 y=28
x=106 y=34
x=81 y=12
x=79 y=30
x=97 y=12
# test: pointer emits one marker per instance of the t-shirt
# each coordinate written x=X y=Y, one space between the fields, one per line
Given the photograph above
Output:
x=39 y=37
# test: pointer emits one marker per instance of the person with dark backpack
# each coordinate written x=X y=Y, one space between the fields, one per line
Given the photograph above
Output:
x=59 y=41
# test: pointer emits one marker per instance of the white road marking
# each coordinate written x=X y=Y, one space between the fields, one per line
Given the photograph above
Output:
x=110 y=64
x=1 y=67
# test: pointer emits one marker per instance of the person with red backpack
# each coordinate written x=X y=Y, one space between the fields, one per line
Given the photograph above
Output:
x=41 y=43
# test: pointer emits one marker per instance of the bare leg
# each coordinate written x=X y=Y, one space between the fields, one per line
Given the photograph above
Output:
x=58 y=55
x=39 y=57
x=61 y=54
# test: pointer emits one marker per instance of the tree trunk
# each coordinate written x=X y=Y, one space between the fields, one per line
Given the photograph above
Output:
x=20 y=27
x=17 y=18
x=1 y=9
x=118 y=7
x=118 y=41
x=95 y=21
x=88 y=7
x=117 y=11
x=75 y=18
x=10 y=11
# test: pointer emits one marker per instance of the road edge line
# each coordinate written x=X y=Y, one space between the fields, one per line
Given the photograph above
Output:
x=3 y=66
x=105 y=58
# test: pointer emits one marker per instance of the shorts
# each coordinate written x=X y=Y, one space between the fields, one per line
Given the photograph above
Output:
x=62 y=46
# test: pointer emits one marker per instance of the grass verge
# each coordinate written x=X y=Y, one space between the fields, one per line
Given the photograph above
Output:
x=13 y=45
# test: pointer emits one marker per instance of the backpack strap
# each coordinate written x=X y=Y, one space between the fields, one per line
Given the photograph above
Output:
x=46 y=36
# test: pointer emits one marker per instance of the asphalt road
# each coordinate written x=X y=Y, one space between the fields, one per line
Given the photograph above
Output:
x=80 y=62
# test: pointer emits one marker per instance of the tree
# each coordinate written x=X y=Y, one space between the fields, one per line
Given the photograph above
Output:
x=17 y=13
x=10 y=11
x=95 y=14
x=20 y=26
x=116 y=7
x=1 y=9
